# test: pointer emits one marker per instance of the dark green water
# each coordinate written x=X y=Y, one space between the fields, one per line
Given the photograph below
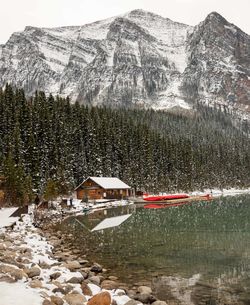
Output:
x=207 y=241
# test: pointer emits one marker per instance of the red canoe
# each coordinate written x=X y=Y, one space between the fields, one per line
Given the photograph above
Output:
x=165 y=197
x=162 y=206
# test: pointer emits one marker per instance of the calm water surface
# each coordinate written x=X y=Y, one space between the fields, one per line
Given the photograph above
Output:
x=197 y=253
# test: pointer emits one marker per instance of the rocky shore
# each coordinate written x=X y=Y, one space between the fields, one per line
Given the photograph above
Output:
x=43 y=269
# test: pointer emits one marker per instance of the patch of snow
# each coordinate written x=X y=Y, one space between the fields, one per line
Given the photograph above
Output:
x=66 y=274
x=18 y=294
x=170 y=103
x=53 y=87
x=94 y=288
x=178 y=56
x=171 y=36
x=120 y=300
x=109 y=183
x=39 y=245
x=5 y=219
x=170 y=32
x=96 y=30
x=70 y=32
x=223 y=192
x=171 y=98
x=57 y=59
x=231 y=28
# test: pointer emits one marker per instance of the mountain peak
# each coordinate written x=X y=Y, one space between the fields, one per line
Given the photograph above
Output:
x=214 y=16
x=140 y=13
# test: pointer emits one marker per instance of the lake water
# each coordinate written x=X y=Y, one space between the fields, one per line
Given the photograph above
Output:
x=197 y=253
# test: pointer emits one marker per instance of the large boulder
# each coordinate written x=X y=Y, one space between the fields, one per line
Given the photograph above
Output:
x=75 y=299
x=33 y=271
x=44 y=265
x=7 y=279
x=55 y=242
x=68 y=288
x=96 y=268
x=55 y=275
x=133 y=302
x=9 y=259
x=72 y=265
x=14 y=272
x=47 y=302
x=113 y=278
x=95 y=279
x=109 y=285
x=144 y=289
x=145 y=298
x=102 y=298
x=18 y=274
x=56 y=300
x=2 y=247
x=159 y=303
x=75 y=280
x=36 y=284
x=59 y=290
x=85 y=289
x=83 y=261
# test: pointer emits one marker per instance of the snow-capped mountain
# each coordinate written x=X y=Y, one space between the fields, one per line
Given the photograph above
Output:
x=138 y=58
x=218 y=68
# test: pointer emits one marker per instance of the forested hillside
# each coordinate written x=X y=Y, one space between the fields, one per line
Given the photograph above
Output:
x=49 y=143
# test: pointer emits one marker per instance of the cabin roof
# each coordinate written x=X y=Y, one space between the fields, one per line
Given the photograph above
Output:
x=108 y=183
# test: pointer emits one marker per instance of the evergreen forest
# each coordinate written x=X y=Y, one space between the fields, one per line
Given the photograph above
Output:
x=48 y=145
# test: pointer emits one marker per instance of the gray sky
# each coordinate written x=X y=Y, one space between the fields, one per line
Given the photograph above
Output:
x=16 y=14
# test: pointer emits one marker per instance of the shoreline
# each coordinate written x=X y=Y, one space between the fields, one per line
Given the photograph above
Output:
x=58 y=271
x=39 y=276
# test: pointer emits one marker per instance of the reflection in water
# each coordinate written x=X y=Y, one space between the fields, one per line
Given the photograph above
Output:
x=197 y=253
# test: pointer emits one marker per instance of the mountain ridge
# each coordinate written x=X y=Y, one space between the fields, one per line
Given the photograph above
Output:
x=135 y=59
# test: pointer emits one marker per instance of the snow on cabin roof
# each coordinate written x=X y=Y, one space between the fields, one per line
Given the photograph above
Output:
x=110 y=183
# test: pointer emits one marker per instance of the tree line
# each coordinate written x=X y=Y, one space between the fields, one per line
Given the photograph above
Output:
x=48 y=145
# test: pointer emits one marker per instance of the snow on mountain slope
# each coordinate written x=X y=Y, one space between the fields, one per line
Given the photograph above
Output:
x=218 y=66
x=138 y=58
x=170 y=33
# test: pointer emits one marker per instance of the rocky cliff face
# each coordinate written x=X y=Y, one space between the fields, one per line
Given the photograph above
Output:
x=138 y=58
x=218 y=68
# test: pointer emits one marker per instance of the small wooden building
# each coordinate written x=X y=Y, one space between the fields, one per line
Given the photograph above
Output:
x=102 y=188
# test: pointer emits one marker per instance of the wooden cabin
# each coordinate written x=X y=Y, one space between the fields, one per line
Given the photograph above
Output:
x=102 y=188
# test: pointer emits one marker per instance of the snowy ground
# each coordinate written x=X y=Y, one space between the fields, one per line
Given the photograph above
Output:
x=5 y=219
x=78 y=205
x=18 y=294
x=223 y=192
